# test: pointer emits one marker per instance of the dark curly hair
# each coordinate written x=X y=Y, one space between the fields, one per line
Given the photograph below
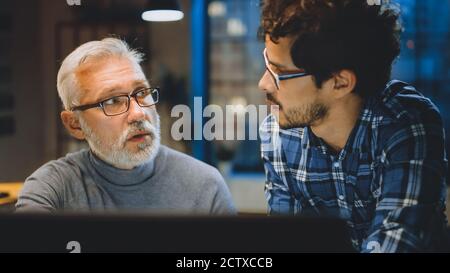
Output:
x=331 y=35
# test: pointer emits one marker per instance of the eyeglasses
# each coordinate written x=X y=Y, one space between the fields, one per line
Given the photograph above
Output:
x=117 y=105
x=276 y=77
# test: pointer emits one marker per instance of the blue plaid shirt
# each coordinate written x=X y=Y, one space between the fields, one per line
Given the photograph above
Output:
x=388 y=183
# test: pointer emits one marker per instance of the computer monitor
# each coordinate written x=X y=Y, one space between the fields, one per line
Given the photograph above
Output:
x=171 y=234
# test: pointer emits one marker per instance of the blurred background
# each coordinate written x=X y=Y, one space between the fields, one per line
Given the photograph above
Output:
x=213 y=52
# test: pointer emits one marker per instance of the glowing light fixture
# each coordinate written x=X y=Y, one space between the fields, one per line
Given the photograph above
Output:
x=162 y=11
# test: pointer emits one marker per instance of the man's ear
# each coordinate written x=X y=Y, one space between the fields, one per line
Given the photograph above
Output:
x=344 y=83
x=72 y=124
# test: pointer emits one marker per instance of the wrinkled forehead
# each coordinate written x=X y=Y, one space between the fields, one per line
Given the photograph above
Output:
x=97 y=77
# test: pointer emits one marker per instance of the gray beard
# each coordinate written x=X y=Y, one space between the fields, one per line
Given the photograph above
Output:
x=116 y=154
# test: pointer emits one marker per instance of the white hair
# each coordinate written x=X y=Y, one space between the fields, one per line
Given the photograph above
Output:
x=67 y=83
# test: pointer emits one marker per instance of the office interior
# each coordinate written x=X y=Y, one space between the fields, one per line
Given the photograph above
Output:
x=213 y=52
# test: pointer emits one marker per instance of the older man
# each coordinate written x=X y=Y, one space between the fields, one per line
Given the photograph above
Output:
x=109 y=103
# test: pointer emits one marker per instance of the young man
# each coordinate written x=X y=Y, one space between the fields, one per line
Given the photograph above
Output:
x=109 y=103
x=345 y=141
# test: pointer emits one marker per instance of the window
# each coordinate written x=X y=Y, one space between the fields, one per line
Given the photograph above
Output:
x=236 y=66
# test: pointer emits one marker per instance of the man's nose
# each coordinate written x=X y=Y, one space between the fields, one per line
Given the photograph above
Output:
x=136 y=112
x=266 y=83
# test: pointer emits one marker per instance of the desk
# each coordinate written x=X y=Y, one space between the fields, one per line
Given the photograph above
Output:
x=13 y=189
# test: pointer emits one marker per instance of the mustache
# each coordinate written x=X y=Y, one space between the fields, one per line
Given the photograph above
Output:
x=141 y=126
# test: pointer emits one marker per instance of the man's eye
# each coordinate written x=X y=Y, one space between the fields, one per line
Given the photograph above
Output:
x=288 y=72
x=143 y=93
x=282 y=72
x=274 y=69
x=111 y=101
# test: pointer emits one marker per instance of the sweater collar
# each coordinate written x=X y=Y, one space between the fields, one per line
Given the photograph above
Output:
x=122 y=177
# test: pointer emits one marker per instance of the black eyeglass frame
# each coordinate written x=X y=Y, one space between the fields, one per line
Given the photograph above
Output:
x=129 y=96
x=277 y=78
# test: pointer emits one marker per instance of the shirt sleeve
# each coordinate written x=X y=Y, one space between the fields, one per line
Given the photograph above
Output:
x=40 y=192
x=410 y=208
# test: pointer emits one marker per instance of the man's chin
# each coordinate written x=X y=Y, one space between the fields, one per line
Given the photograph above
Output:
x=127 y=158
x=142 y=152
x=130 y=160
x=283 y=122
x=139 y=146
x=286 y=124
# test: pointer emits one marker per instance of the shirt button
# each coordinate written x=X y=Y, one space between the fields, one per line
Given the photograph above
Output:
x=341 y=197
x=376 y=193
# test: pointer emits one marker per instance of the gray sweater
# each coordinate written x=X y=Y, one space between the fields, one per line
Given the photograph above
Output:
x=172 y=183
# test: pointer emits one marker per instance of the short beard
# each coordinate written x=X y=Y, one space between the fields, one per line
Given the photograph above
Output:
x=304 y=116
x=116 y=154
